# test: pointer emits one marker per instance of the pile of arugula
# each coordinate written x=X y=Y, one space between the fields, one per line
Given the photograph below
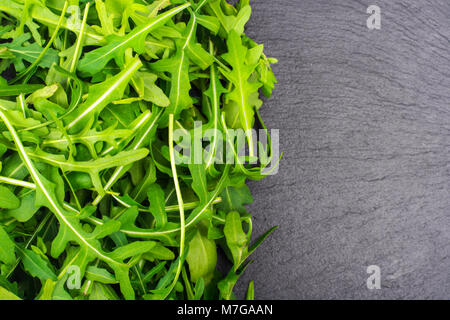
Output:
x=93 y=204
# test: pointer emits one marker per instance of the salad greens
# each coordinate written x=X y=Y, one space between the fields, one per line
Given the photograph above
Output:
x=95 y=98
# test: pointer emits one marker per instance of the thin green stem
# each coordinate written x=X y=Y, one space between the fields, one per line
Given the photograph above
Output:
x=133 y=131
x=54 y=205
x=200 y=5
x=180 y=202
x=21 y=100
x=221 y=64
x=80 y=39
x=79 y=44
x=187 y=284
x=18 y=183
x=33 y=236
x=171 y=208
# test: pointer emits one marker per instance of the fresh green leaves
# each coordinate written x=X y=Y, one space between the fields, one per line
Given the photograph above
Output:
x=178 y=67
x=250 y=291
x=235 y=199
x=97 y=59
x=14 y=90
x=236 y=238
x=243 y=66
x=20 y=52
x=202 y=257
x=230 y=22
x=157 y=204
x=7 y=295
x=34 y=264
x=100 y=95
x=93 y=100
x=7 y=199
x=7 y=254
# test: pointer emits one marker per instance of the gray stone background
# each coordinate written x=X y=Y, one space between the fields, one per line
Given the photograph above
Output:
x=365 y=130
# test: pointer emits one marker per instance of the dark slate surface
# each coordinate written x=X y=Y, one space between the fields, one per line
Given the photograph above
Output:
x=365 y=129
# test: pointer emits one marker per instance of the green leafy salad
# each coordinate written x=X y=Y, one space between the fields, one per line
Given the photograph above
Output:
x=123 y=174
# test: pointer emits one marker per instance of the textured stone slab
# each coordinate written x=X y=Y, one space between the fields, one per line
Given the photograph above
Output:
x=365 y=129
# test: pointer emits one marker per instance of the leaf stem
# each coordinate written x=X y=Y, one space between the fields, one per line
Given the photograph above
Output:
x=171 y=208
x=122 y=169
x=79 y=44
x=125 y=140
x=187 y=283
x=215 y=111
x=33 y=236
x=123 y=77
x=54 y=205
x=80 y=39
x=16 y=182
x=200 y=5
x=180 y=203
x=22 y=103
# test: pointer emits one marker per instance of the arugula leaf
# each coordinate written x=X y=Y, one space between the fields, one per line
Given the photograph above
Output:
x=97 y=59
x=89 y=176
x=70 y=228
x=230 y=22
x=199 y=184
x=102 y=292
x=214 y=93
x=234 y=199
x=242 y=87
x=93 y=167
x=260 y=240
x=159 y=252
x=178 y=67
x=7 y=254
x=100 y=95
x=7 y=199
x=45 y=16
x=14 y=90
x=27 y=208
x=59 y=292
x=100 y=275
x=35 y=265
x=144 y=83
x=157 y=205
x=88 y=137
x=250 y=291
x=236 y=238
x=7 y=295
x=201 y=257
x=29 y=52
x=47 y=290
